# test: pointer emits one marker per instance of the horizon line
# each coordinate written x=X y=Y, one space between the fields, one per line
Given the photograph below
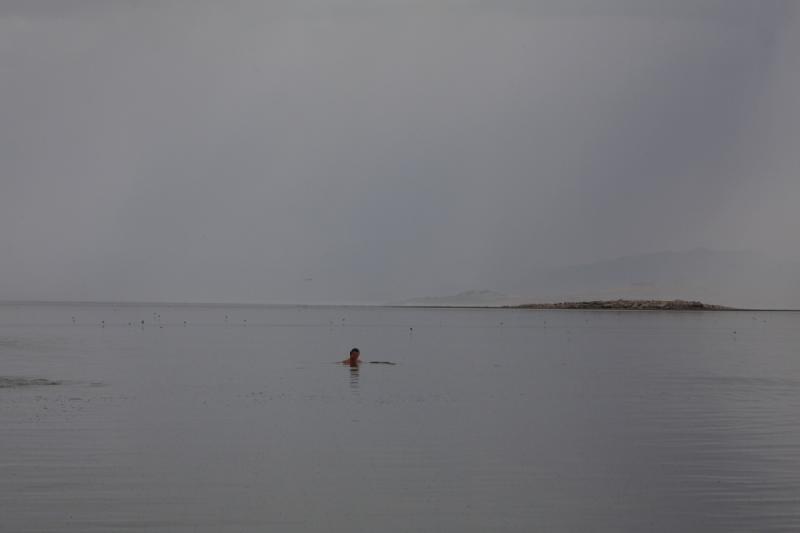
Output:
x=329 y=304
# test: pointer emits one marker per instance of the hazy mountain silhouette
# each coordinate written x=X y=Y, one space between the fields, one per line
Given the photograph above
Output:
x=465 y=299
x=733 y=278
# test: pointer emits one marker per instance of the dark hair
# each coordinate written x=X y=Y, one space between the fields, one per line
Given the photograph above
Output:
x=355 y=350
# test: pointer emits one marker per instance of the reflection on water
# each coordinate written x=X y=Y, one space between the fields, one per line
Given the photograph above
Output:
x=354 y=370
x=507 y=421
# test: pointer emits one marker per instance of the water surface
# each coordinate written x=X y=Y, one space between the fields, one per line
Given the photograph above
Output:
x=215 y=418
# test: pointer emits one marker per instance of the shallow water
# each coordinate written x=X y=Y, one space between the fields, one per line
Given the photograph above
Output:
x=214 y=418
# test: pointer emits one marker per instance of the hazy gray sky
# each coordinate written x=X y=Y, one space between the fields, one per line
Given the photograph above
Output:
x=367 y=150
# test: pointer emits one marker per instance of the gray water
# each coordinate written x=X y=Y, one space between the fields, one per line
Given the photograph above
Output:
x=214 y=418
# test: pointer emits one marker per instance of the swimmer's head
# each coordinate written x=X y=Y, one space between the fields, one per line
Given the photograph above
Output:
x=354 y=353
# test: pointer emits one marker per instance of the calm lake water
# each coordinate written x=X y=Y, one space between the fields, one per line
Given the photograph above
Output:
x=221 y=418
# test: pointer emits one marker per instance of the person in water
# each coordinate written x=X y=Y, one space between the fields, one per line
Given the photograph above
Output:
x=354 y=360
x=355 y=353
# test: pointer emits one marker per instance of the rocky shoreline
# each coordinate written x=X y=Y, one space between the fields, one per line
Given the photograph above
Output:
x=630 y=305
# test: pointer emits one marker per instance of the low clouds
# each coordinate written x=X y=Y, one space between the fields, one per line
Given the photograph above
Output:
x=194 y=151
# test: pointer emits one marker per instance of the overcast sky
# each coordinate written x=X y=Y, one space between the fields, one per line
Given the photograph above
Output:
x=370 y=150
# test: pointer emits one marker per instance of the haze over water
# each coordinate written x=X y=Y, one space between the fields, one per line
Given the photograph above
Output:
x=215 y=418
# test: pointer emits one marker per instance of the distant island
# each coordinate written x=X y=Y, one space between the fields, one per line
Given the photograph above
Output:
x=630 y=305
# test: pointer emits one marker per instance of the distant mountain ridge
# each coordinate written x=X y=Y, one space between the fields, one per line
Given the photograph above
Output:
x=462 y=299
x=739 y=279
x=730 y=278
